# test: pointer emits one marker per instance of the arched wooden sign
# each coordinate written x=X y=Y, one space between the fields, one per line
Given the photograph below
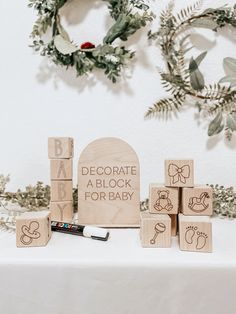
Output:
x=109 y=184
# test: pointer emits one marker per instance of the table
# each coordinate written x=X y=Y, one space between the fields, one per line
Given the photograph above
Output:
x=82 y=276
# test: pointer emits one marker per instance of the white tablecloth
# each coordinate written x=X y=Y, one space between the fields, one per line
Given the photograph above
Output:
x=81 y=276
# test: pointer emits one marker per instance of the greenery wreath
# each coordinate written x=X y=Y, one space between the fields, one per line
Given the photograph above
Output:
x=182 y=78
x=129 y=16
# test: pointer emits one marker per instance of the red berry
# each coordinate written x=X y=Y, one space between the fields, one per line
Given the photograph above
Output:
x=87 y=45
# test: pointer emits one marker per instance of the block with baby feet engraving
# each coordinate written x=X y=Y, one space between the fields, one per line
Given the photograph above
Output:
x=197 y=201
x=195 y=233
x=33 y=229
x=163 y=200
x=179 y=173
x=155 y=230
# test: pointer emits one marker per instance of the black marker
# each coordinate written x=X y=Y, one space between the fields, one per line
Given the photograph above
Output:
x=84 y=231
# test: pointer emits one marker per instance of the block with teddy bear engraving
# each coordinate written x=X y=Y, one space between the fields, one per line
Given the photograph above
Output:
x=163 y=200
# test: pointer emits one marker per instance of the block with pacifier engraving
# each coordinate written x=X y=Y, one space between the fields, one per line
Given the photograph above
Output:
x=33 y=229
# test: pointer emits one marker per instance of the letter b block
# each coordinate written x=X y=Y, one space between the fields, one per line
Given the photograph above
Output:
x=61 y=191
x=60 y=147
x=197 y=201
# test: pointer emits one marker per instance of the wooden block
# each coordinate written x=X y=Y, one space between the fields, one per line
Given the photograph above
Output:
x=61 y=191
x=163 y=200
x=61 y=169
x=174 y=225
x=195 y=233
x=33 y=229
x=61 y=211
x=197 y=201
x=109 y=184
x=60 y=147
x=155 y=230
x=179 y=173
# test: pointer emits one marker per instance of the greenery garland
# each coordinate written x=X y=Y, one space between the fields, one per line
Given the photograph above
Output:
x=129 y=16
x=35 y=198
x=183 y=78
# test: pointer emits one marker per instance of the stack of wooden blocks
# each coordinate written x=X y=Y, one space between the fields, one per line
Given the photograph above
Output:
x=60 y=152
x=178 y=199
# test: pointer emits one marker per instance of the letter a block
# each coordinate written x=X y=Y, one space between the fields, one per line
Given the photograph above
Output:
x=195 y=233
x=163 y=200
x=60 y=147
x=155 y=230
x=61 y=211
x=33 y=229
x=197 y=201
x=61 y=169
x=179 y=173
x=61 y=191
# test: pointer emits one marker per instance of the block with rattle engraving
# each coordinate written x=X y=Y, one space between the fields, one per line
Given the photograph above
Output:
x=155 y=230
x=33 y=229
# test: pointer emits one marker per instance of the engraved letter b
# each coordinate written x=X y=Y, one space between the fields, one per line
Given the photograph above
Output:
x=58 y=148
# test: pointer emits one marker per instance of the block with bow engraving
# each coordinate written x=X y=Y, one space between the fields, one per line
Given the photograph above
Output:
x=179 y=173
x=33 y=229
x=197 y=201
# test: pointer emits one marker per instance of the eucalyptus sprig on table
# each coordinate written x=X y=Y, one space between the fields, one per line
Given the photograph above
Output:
x=129 y=16
x=37 y=197
x=183 y=78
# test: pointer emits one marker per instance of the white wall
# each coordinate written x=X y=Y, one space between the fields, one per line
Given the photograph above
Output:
x=39 y=100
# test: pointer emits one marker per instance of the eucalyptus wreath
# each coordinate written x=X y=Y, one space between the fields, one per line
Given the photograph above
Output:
x=128 y=15
x=182 y=77
x=37 y=197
